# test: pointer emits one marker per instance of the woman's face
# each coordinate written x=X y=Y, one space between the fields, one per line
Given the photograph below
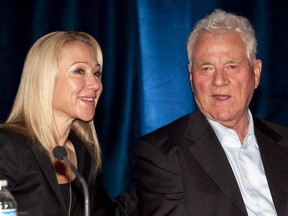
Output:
x=78 y=85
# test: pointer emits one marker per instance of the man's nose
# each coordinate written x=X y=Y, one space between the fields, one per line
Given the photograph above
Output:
x=220 y=77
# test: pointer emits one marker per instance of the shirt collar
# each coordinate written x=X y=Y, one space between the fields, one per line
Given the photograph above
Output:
x=222 y=131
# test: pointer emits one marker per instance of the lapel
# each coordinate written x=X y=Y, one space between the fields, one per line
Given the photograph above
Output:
x=49 y=173
x=275 y=161
x=204 y=146
x=85 y=165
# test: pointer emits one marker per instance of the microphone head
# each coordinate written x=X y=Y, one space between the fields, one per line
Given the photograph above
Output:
x=59 y=152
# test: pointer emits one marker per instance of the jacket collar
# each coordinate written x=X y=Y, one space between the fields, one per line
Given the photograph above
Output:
x=84 y=166
x=49 y=173
x=275 y=161
x=206 y=148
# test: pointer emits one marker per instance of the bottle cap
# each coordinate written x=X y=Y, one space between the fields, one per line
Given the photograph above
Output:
x=3 y=183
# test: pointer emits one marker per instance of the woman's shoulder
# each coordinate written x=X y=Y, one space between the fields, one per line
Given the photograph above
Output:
x=10 y=134
x=9 y=130
x=16 y=155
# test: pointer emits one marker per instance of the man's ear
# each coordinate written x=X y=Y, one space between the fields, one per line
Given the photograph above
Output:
x=190 y=75
x=257 y=72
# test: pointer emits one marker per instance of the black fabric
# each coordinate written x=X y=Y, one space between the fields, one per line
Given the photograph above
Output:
x=65 y=193
x=182 y=169
x=32 y=180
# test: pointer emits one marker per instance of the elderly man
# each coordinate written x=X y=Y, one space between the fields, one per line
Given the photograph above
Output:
x=219 y=160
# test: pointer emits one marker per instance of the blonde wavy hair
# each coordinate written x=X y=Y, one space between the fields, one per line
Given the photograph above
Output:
x=32 y=108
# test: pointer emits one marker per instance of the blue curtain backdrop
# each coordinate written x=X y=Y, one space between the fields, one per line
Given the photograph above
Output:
x=145 y=77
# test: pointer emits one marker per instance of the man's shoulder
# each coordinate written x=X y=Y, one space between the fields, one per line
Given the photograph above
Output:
x=167 y=137
x=271 y=129
x=174 y=128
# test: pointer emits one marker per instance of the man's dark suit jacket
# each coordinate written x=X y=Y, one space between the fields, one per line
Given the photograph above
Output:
x=182 y=169
x=32 y=180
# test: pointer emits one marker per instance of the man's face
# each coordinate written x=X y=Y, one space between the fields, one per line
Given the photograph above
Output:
x=222 y=77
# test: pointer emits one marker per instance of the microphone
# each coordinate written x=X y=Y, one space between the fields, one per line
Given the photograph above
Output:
x=60 y=153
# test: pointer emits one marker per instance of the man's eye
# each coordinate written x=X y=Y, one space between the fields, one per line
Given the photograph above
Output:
x=207 y=69
x=231 y=67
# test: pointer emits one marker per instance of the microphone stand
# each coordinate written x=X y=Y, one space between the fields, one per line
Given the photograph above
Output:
x=83 y=183
x=61 y=154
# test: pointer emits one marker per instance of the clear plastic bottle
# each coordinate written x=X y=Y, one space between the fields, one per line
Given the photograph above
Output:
x=8 y=205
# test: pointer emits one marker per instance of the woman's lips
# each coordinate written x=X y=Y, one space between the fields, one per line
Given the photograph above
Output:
x=88 y=100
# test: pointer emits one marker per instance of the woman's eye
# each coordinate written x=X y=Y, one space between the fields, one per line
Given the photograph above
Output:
x=98 y=74
x=79 y=71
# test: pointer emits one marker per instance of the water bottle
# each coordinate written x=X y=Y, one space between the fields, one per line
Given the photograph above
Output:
x=8 y=205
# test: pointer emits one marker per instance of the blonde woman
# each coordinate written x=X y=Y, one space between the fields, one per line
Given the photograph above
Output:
x=55 y=106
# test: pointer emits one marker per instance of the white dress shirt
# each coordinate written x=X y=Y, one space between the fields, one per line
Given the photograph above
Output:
x=246 y=163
